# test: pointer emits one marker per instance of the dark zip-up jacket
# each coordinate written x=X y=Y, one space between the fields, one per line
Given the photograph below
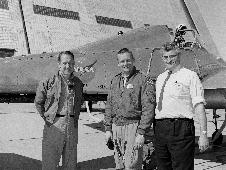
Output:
x=133 y=103
x=48 y=94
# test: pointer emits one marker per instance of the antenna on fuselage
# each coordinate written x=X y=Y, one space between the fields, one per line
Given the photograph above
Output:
x=150 y=60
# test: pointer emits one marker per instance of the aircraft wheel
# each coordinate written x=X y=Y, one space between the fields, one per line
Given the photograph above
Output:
x=219 y=140
x=90 y=105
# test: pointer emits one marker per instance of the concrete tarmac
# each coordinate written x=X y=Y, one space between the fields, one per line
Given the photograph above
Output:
x=21 y=135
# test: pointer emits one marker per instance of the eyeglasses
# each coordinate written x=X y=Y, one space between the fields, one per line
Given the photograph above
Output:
x=168 y=56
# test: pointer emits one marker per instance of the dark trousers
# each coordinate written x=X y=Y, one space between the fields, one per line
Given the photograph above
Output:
x=174 y=144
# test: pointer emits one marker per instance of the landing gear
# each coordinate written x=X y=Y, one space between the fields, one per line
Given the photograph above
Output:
x=90 y=104
x=217 y=137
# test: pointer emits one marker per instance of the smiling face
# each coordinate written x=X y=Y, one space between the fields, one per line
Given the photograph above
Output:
x=171 y=59
x=126 y=62
x=66 y=65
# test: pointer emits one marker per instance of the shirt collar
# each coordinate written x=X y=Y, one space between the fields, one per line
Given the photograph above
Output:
x=131 y=74
x=69 y=81
x=168 y=71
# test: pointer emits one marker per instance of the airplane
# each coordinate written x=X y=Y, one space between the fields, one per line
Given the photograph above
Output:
x=96 y=63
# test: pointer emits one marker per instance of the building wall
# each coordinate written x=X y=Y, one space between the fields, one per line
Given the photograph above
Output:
x=51 y=33
x=11 y=28
x=55 y=25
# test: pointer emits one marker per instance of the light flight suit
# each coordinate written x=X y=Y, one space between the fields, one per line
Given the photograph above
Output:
x=60 y=105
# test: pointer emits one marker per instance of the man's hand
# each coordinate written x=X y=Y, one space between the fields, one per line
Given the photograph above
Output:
x=203 y=143
x=108 y=136
x=139 y=141
x=203 y=139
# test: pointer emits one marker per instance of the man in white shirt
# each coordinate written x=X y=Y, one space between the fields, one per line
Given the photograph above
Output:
x=179 y=97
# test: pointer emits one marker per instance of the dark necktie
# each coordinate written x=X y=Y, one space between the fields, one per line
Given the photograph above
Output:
x=162 y=90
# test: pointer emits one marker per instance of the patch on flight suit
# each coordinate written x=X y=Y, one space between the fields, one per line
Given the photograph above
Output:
x=129 y=86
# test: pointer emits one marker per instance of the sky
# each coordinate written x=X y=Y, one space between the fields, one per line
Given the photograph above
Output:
x=214 y=14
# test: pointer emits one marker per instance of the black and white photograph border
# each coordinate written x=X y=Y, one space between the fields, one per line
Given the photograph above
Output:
x=33 y=32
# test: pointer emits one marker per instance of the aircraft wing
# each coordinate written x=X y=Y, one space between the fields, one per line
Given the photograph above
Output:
x=96 y=63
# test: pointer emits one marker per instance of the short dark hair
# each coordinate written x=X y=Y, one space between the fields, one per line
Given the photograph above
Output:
x=66 y=53
x=126 y=50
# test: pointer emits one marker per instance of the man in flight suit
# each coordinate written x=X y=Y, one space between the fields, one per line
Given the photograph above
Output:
x=58 y=100
x=129 y=112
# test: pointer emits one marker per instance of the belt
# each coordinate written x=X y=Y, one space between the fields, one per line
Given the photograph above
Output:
x=57 y=115
x=174 y=119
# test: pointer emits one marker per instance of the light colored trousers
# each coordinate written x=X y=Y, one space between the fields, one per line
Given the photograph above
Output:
x=126 y=157
x=60 y=139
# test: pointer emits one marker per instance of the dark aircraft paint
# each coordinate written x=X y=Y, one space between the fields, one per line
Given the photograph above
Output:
x=96 y=63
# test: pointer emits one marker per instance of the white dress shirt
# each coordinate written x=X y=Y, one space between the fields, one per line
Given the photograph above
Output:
x=182 y=92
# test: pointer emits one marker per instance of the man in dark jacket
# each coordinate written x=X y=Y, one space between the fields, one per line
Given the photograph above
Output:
x=129 y=112
x=58 y=100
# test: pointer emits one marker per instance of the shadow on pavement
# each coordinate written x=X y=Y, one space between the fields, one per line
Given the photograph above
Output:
x=98 y=126
x=98 y=110
x=11 y=161
x=215 y=154
x=98 y=164
x=4 y=113
x=94 y=110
